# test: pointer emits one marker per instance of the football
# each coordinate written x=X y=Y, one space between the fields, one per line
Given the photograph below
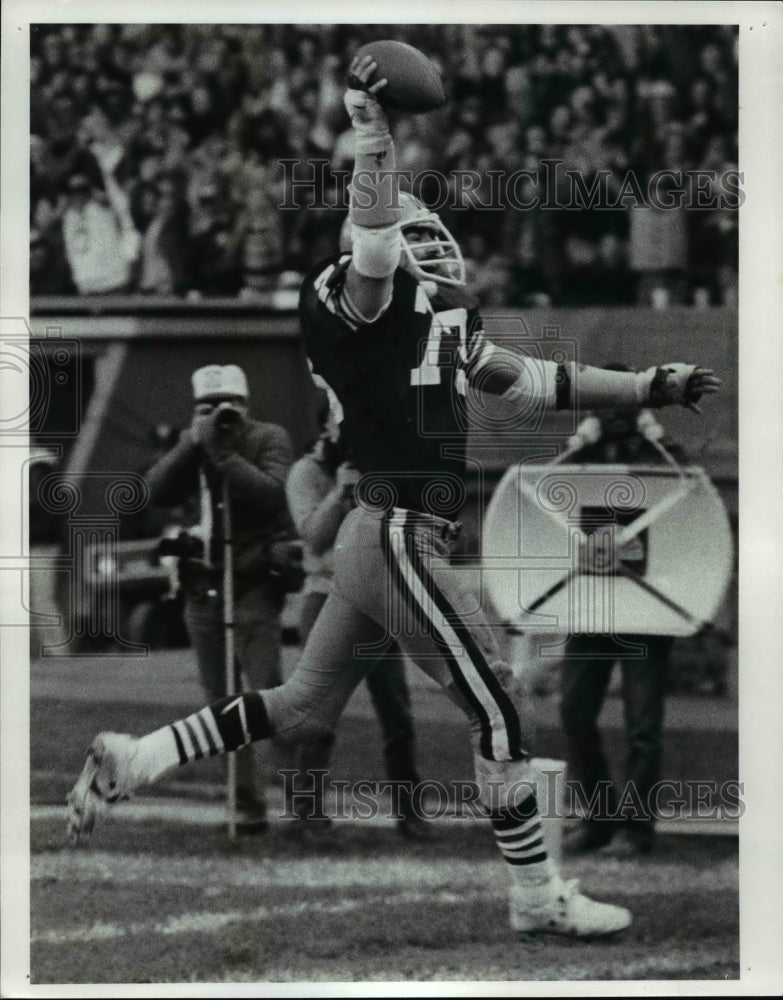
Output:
x=414 y=84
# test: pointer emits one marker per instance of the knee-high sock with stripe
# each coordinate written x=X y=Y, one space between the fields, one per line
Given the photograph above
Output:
x=219 y=728
x=519 y=836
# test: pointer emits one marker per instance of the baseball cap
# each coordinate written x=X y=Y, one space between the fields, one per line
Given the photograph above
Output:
x=216 y=381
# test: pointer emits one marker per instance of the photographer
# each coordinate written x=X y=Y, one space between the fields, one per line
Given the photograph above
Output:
x=223 y=450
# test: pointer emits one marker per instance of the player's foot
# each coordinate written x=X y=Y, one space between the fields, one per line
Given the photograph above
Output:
x=105 y=779
x=559 y=908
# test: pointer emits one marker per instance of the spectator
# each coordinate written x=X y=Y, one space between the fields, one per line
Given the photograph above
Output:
x=204 y=114
x=260 y=236
x=58 y=149
x=658 y=255
x=101 y=243
x=713 y=232
x=111 y=121
x=163 y=222
x=225 y=449
x=215 y=247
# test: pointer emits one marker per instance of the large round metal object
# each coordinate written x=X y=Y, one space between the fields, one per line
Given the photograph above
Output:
x=606 y=549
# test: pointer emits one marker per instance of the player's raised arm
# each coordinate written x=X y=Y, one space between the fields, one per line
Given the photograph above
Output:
x=374 y=210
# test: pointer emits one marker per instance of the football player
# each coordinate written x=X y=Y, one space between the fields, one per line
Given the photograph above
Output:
x=390 y=329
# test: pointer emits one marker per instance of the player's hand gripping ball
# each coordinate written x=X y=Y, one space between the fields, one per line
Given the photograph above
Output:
x=412 y=82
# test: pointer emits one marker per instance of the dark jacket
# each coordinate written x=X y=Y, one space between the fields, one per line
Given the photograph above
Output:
x=255 y=474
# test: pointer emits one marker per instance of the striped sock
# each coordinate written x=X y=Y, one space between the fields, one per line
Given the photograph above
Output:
x=219 y=728
x=519 y=837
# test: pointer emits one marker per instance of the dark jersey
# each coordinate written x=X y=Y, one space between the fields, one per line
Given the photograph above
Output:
x=401 y=382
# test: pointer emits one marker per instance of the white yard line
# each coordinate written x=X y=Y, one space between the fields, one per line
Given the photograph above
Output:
x=190 y=813
x=620 y=876
x=208 y=921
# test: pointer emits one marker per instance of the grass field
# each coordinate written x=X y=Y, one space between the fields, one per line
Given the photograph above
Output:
x=159 y=903
x=171 y=902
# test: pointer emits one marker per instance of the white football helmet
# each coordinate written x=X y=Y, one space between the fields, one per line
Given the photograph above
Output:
x=429 y=251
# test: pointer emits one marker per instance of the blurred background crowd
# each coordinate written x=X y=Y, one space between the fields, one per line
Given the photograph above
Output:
x=156 y=149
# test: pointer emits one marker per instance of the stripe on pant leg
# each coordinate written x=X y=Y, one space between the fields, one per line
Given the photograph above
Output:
x=401 y=537
x=485 y=675
x=475 y=667
x=494 y=744
x=442 y=646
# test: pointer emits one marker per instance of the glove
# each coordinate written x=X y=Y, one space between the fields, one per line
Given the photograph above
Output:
x=683 y=384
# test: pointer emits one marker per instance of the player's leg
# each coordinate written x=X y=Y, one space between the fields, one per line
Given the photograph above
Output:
x=585 y=675
x=306 y=707
x=453 y=642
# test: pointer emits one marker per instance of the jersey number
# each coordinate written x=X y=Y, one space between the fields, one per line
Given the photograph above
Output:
x=449 y=326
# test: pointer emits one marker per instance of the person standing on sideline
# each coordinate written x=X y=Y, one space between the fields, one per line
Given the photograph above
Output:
x=628 y=435
x=224 y=450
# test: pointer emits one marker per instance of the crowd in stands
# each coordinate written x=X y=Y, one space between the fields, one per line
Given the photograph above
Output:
x=156 y=157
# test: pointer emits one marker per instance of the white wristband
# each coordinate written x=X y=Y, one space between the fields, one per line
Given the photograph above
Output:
x=376 y=252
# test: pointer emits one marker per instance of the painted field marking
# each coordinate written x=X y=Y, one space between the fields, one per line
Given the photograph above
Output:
x=208 y=921
x=388 y=873
x=190 y=813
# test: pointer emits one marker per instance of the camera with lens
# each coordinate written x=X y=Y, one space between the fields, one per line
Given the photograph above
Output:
x=227 y=416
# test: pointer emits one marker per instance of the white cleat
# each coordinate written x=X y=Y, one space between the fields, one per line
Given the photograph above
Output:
x=105 y=779
x=562 y=909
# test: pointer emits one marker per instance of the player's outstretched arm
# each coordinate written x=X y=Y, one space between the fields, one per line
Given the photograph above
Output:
x=374 y=209
x=577 y=386
x=664 y=385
